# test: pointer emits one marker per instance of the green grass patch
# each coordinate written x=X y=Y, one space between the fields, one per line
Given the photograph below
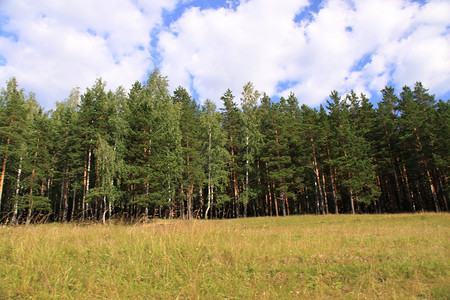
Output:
x=363 y=256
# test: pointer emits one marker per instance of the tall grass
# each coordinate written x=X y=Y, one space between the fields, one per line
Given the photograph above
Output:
x=380 y=256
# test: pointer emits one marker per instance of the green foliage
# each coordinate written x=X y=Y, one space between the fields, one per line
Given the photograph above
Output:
x=35 y=203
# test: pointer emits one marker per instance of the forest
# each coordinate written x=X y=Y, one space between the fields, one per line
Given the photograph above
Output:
x=147 y=153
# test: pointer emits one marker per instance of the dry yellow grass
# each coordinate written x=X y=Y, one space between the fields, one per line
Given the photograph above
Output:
x=359 y=257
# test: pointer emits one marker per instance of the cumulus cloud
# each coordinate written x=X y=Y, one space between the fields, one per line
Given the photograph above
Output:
x=225 y=48
x=53 y=46
x=361 y=45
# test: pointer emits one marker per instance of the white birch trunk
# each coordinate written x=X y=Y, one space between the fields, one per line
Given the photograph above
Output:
x=352 y=202
x=246 y=177
x=104 y=210
x=16 y=201
x=209 y=176
x=87 y=179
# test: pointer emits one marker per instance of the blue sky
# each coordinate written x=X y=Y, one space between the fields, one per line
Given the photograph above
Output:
x=307 y=47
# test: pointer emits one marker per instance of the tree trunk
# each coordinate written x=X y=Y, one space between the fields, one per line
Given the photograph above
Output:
x=2 y=176
x=61 y=200
x=105 y=211
x=275 y=200
x=189 y=201
x=170 y=199
x=316 y=172
x=325 y=194
x=317 y=198
x=86 y=176
x=299 y=204
x=16 y=200
x=234 y=180
x=212 y=201
x=352 y=202
x=146 y=214
x=182 y=208
x=379 y=184
x=269 y=206
x=202 y=203
x=110 y=211
x=441 y=188
x=30 y=210
x=397 y=182
x=246 y=176
x=333 y=184
x=283 y=203
x=433 y=191
x=209 y=175
x=430 y=182
x=65 y=191
x=73 y=205
x=209 y=196
x=236 y=196
x=209 y=201
x=407 y=185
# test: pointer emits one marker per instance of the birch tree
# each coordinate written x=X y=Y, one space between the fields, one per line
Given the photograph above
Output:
x=252 y=139
x=216 y=164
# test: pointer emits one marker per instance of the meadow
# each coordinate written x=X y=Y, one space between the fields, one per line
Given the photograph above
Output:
x=405 y=256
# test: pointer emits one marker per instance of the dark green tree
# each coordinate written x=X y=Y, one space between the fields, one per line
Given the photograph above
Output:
x=12 y=112
x=192 y=175
x=232 y=125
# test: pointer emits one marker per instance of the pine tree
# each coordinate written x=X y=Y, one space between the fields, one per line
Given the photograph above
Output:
x=352 y=152
x=36 y=162
x=265 y=112
x=232 y=126
x=416 y=110
x=310 y=156
x=278 y=158
x=441 y=149
x=152 y=155
x=66 y=152
x=190 y=146
x=394 y=183
x=94 y=117
x=12 y=125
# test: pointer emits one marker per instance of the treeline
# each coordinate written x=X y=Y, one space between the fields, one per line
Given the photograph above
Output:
x=147 y=153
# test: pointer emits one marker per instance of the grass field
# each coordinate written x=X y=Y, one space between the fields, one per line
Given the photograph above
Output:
x=352 y=257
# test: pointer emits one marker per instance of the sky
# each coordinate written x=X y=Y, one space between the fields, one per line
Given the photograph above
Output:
x=306 y=47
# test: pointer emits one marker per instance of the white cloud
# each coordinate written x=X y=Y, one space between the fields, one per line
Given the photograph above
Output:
x=400 y=42
x=224 y=48
x=51 y=46
x=63 y=44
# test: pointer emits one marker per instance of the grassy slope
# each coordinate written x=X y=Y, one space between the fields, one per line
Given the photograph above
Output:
x=380 y=256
